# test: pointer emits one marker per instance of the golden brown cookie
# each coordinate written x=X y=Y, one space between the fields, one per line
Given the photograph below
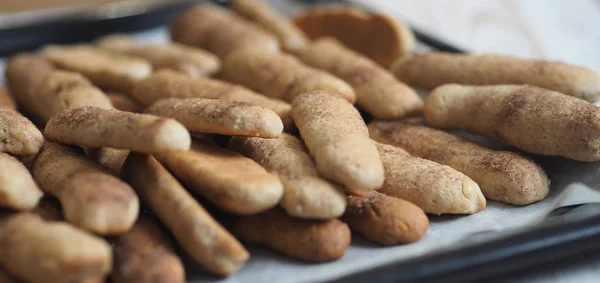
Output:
x=384 y=219
x=302 y=239
x=6 y=100
x=18 y=135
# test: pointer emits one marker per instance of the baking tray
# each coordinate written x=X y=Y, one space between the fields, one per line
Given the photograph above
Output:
x=568 y=236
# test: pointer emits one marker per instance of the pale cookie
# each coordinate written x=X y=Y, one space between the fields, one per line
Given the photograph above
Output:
x=96 y=127
x=338 y=139
x=433 y=187
x=214 y=116
x=18 y=135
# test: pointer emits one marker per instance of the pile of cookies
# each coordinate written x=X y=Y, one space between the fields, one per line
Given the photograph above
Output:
x=246 y=129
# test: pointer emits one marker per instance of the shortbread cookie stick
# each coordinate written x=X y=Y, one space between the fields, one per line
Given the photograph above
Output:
x=532 y=119
x=189 y=60
x=96 y=127
x=337 y=137
x=302 y=239
x=219 y=31
x=144 y=254
x=38 y=251
x=384 y=219
x=6 y=100
x=433 y=187
x=18 y=135
x=228 y=179
x=23 y=73
x=434 y=69
x=44 y=91
x=502 y=175
x=17 y=189
x=167 y=84
x=90 y=196
x=377 y=91
x=305 y=194
x=380 y=37
x=280 y=76
x=194 y=228
x=214 y=116
x=290 y=37
x=124 y=103
x=106 y=70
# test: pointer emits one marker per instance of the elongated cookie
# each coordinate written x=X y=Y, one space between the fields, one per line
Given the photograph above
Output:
x=170 y=84
x=433 y=187
x=338 y=139
x=18 y=135
x=434 y=69
x=290 y=37
x=231 y=181
x=502 y=176
x=302 y=239
x=97 y=127
x=281 y=76
x=219 y=31
x=38 y=251
x=305 y=195
x=90 y=196
x=189 y=60
x=23 y=73
x=226 y=117
x=384 y=219
x=532 y=119
x=17 y=189
x=196 y=231
x=377 y=91
x=106 y=70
